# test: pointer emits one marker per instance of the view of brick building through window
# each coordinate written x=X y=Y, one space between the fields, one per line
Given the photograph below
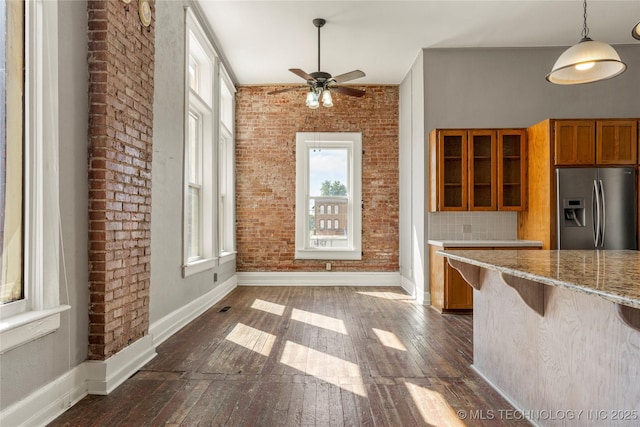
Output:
x=330 y=216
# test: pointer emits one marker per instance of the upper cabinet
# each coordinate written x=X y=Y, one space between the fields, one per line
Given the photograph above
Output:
x=448 y=171
x=595 y=142
x=512 y=171
x=477 y=169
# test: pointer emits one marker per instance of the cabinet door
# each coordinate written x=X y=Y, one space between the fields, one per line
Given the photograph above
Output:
x=452 y=170
x=616 y=142
x=482 y=170
x=575 y=142
x=458 y=294
x=512 y=170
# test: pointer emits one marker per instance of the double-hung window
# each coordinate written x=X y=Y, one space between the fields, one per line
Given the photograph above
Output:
x=328 y=173
x=29 y=208
x=199 y=252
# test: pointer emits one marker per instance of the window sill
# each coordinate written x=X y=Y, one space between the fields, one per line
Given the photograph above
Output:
x=26 y=327
x=198 y=266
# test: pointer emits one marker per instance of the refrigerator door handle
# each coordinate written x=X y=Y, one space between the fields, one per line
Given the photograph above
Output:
x=595 y=210
x=603 y=221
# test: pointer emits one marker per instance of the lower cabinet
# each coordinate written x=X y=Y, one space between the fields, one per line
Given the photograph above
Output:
x=449 y=291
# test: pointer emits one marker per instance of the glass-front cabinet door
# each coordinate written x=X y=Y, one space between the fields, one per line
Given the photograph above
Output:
x=511 y=170
x=452 y=170
x=482 y=170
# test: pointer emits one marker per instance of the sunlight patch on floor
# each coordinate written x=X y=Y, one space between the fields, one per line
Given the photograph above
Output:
x=387 y=295
x=319 y=320
x=254 y=339
x=389 y=339
x=269 y=307
x=433 y=407
x=323 y=366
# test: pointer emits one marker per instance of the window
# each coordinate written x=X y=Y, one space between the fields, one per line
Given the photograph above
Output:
x=30 y=287
x=335 y=224
x=329 y=210
x=226 y=175
x=336 y=210
x=328 y=172
x=200 y=156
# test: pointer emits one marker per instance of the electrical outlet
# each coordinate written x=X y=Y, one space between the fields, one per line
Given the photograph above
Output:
x=466 y=228
x=215 y=277
x=328 y=266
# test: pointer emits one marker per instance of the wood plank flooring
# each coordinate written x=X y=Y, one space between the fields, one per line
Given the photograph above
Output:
x=308 y=356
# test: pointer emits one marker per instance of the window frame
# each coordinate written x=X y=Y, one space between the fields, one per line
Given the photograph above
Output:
x=38 y=314
x=226 y=174
x=352 y=142
x=203 y=101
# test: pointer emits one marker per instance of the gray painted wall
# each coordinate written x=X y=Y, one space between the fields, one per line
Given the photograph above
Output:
x=507 y=88
x=39 y=362
x=169 y=291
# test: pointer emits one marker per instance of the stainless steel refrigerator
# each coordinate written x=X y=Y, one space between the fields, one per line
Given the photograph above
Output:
x=596 y=208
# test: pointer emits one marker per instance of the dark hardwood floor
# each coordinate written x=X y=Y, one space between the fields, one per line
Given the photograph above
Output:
x=307 y=356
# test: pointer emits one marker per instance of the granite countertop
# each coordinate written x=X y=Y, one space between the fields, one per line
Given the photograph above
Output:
x=485 y=243
x=610 y=274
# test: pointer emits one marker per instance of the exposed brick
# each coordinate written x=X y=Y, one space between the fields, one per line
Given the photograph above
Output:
x=121 y=56
x=266 y=169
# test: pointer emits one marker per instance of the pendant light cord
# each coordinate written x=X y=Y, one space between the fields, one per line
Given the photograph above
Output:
x=585 y=29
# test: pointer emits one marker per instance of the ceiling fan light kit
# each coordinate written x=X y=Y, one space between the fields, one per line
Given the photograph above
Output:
x=586 y=62
x=321 y=84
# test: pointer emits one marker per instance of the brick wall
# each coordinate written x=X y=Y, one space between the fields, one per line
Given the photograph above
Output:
x=121 y=62
x=266 y=175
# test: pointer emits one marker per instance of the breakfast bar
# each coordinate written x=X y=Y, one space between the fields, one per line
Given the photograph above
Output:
x=558 y=332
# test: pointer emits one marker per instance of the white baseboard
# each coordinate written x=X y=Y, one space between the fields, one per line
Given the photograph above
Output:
x=408 y=286
x=48 y=402
x=330 y=278
x=103 y=376
x=162 y=329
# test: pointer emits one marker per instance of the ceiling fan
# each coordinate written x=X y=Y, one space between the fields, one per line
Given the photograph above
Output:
x=321 y=84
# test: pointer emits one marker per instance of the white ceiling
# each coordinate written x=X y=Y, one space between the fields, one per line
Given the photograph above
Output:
x=261 y=40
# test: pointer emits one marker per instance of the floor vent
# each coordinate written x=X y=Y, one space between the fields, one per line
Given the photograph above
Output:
x=224 y=309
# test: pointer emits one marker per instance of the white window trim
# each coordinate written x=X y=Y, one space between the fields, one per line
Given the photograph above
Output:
x=229 y=217
x=209 y=258
x=40 y=310
x=352 y=141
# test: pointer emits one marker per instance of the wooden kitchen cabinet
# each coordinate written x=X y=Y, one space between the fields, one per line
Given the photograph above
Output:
x=575 y=142
x=448 y=172
x=512 y=171
x=596 y=142
x=449 y=291
x=477 y=169
x=616 y=142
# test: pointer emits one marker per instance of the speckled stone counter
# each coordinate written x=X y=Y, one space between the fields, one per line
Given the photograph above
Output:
x=558 y=332
x=613 y=275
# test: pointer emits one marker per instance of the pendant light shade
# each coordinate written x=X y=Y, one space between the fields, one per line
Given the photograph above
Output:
x=586 y=62
x=636 y=31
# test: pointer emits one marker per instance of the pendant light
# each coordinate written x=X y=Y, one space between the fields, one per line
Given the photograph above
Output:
x=586 y=62
x=636 y=31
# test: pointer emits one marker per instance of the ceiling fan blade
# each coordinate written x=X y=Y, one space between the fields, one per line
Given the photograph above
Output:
x=300 y=73
x=351 y=75
x=285 y=89
x=347 y=91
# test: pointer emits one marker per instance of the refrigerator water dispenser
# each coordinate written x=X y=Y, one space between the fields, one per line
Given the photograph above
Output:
x=574 y=213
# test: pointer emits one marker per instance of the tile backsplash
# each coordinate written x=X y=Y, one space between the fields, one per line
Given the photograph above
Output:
x=473 y=225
